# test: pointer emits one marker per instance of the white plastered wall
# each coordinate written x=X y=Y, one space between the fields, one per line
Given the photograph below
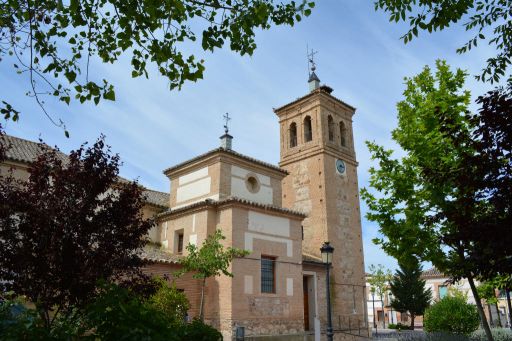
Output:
x=239 y=187
x=194 y=185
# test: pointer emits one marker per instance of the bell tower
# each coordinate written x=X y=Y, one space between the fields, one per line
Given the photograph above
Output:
x=317 y=149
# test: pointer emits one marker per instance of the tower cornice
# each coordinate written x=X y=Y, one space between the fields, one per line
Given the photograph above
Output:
x=323 y=91
x=295 y=157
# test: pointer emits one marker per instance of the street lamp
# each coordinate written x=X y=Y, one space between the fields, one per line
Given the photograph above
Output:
x=373 y=304
x=327 y=251
x=390 y=301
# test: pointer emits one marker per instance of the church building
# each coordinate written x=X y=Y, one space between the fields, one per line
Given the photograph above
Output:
x=282 y=214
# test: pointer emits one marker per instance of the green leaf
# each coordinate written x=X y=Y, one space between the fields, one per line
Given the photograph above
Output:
x=110 y=95
x=70 y=75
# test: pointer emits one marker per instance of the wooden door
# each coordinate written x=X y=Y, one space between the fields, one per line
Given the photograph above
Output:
x=306 y=303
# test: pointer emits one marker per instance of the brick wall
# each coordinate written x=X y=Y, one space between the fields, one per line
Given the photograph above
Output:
x=191 y=286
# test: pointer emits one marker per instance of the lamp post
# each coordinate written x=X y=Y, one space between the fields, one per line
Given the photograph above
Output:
x=390 y=300
x=373 y=304
x=327 y=251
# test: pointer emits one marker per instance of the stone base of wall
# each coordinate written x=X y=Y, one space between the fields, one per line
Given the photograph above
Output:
x=347 y=337
x=295 y=337
x=304 y=337
x=260 y=328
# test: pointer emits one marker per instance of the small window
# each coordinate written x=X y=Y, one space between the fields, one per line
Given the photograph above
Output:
x=293 y=135
x=178 y=239
x=443 y=291
x=330 y=128
x=268 y=274
x=343 y=134
x=308 y=133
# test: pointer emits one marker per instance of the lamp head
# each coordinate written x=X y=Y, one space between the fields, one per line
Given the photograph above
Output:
x=327 y=251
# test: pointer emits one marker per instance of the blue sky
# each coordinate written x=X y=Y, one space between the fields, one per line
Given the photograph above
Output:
x=359 y=55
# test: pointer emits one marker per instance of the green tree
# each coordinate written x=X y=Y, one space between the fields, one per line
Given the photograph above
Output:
x=490 y=20
x=379 y=281
x=453 y=315
x=210 y=260
x=409 y=292
x=70 y=225
x=172 y=303
x=429 y=204
x=54 y=41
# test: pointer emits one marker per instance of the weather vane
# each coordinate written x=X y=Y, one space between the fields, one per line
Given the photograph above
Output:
x=227 y=119
x=311 y=59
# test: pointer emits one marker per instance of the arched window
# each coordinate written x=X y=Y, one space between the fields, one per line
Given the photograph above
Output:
x=293 y=135
x=330 y=128
x=343 y=134
x=308 y=133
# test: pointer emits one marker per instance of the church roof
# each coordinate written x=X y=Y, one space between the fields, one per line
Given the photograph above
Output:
x=25 y=151
x=156 y=198
x=311 y=259
x=228 y=152
x=154 y=253
x=231 y=200
x=433 y=272
x=323 y=89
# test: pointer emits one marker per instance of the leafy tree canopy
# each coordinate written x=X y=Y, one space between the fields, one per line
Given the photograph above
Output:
x=487 y=291
x=379 y=279
x=210 y=260
x=434 y=202
x=409 y=292
x=54 y=41
x=453 y=181
x=171 y=302
x=68 y=226
x=490 y=20
x=453 y=315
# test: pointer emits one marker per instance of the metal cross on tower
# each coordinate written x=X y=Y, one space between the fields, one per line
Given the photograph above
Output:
x=227 y=119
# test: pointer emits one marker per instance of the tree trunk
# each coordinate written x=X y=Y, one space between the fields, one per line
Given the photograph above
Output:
x=412 y=321
x=201 y=306
x=490 y=315
x=480 y=309
x=499 y=315
x=383 y=314
x=509 y=306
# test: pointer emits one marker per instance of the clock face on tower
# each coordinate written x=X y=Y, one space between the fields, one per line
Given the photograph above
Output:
x=340 y=167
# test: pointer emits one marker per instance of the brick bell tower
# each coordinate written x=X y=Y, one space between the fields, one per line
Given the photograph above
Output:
x=317 y=149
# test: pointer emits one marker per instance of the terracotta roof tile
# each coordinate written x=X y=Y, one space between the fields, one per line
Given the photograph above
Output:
x=156 y=198
x=229 y=152
x=216 y=203
x=25 y=151
x=433 y=272
x=154 y=253
x=311 y=259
